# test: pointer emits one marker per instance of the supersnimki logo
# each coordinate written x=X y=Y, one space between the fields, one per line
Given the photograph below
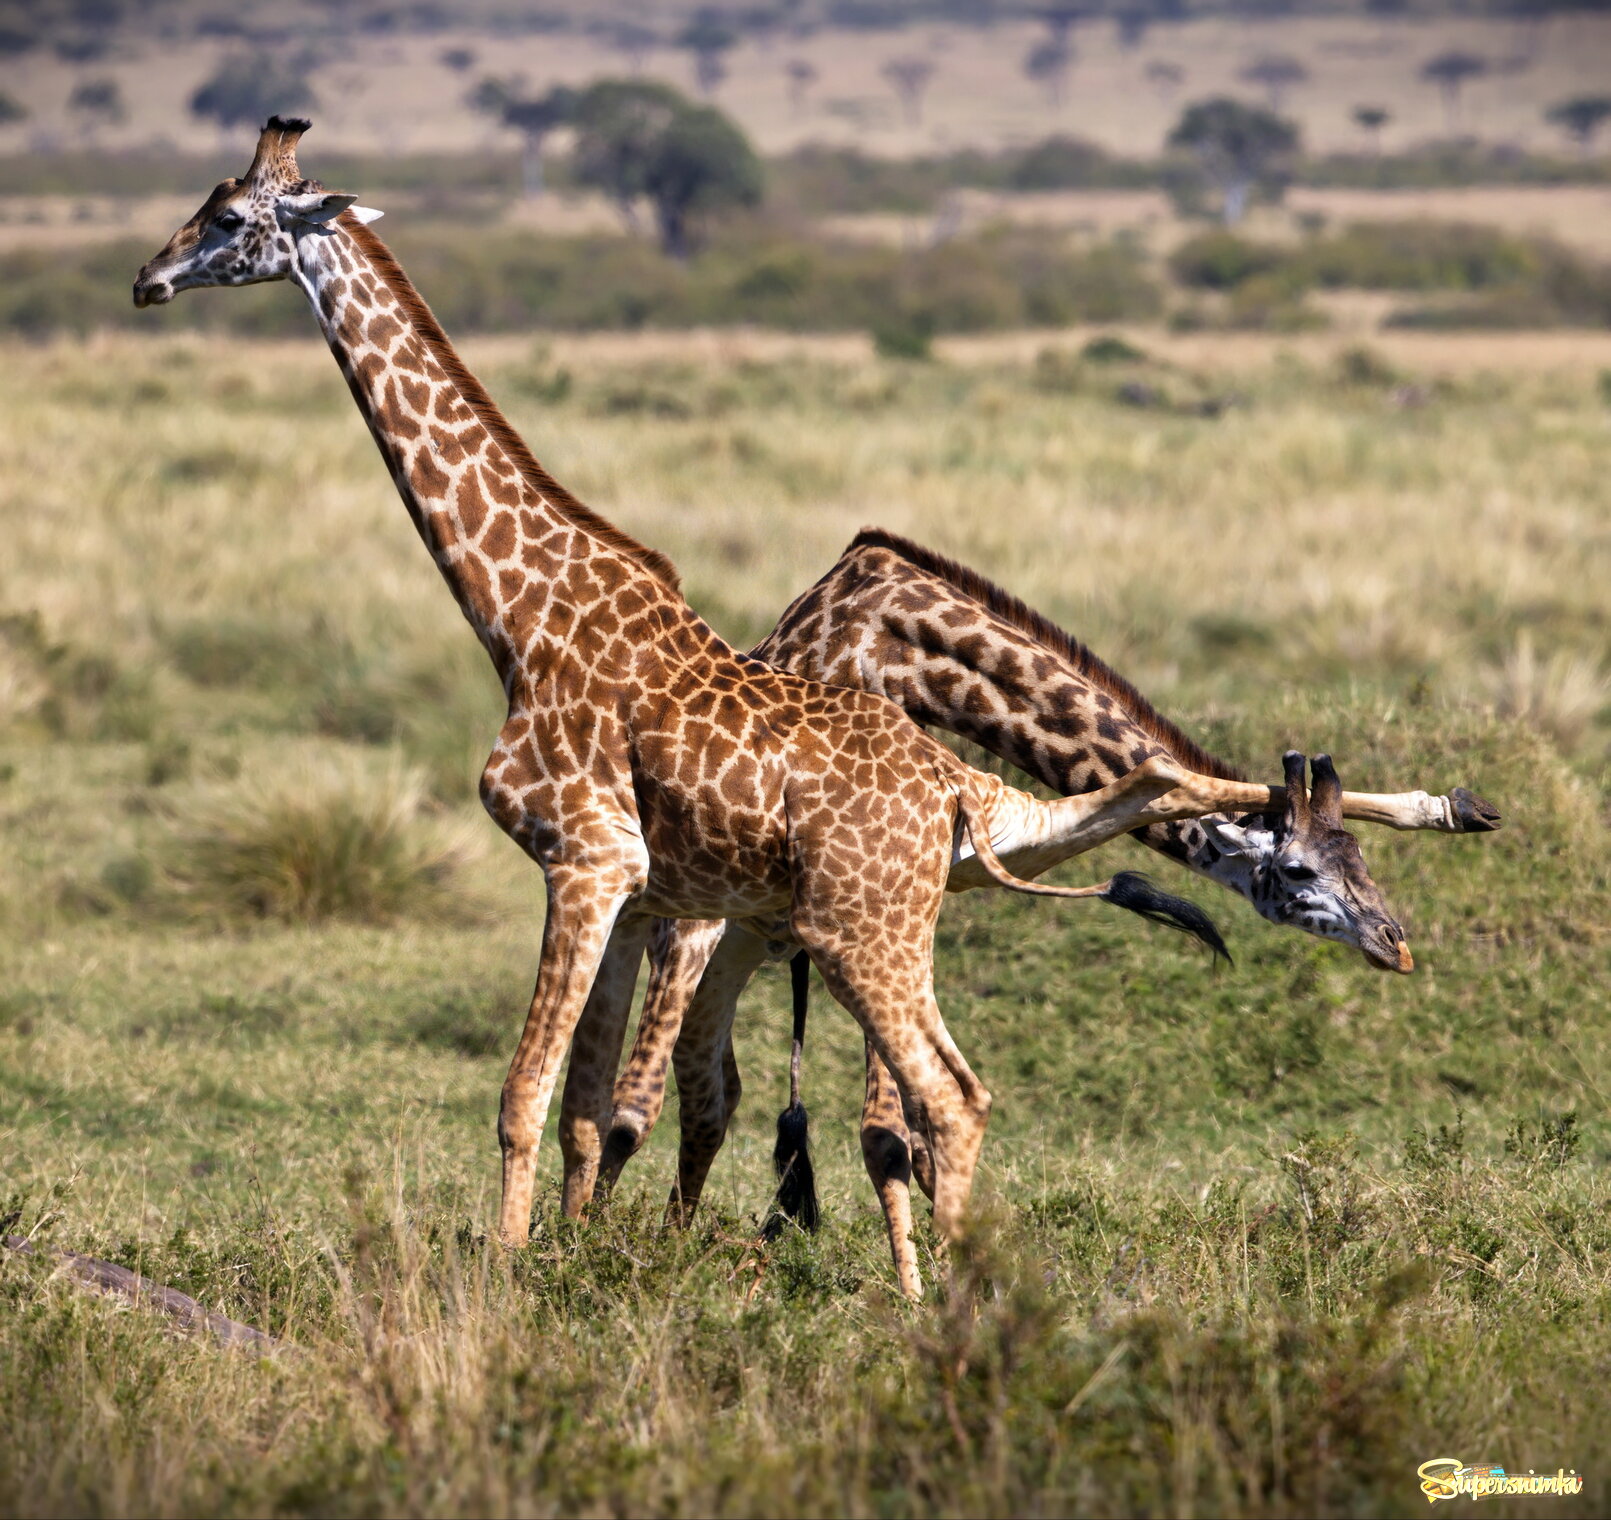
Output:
x=1450 y=1478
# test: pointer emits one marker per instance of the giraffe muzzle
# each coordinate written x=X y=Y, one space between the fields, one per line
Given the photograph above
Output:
x=151 y=292
x=1387 y=950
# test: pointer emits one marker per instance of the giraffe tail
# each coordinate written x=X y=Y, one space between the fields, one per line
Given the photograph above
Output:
x=791 y=1156
x=1129 y=890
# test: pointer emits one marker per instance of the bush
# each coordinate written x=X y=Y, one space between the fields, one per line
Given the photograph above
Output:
x=1418 y=255
x=1448 y=164
x=1109 y=348
x=1222 y=260
x=904 y=335
x=1510 y=282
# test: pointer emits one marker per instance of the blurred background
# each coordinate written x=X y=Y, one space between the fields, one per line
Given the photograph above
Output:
x=919 y=166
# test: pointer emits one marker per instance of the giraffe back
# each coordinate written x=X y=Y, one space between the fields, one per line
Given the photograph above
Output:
x=957 y=652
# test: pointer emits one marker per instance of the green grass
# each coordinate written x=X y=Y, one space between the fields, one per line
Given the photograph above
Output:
x=1257 y=1240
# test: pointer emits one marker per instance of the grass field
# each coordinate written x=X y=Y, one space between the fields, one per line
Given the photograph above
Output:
x=1255 y=1241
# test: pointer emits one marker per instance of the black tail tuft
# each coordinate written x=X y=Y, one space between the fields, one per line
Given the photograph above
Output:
x=797 y=1182
x=1135 y=892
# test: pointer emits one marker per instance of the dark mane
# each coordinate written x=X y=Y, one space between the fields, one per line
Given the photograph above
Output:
x=425 y=323
x=1043 y=631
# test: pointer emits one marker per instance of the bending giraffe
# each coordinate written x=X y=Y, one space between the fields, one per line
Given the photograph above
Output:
x=648 y=768
x=959 y=653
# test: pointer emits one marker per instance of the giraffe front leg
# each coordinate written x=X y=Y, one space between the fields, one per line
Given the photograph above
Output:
x=679 y=951
x=886 y=1151
x=582 y=910
x=584 y=1110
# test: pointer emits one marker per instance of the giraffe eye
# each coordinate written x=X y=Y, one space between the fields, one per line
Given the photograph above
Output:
x=1298 y=873
x=229 y=221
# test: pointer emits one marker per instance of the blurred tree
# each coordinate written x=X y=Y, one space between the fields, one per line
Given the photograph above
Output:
x=909 y=77
x=249 y=88
x=459 y=59
x=1130 y=25
x=1061 y=16
x=802 y=75
x=1237 y=147
x=761 y=22
x=709 y=37
x=1580 y=118
x=1371 y=120
x=534 y=117
x=96 y=103
x=634 y=41
x=1047 y=64
x=638 y=139
x=1450 y=72
x=1165 y=77
x=84 y=48
x=1275 y=74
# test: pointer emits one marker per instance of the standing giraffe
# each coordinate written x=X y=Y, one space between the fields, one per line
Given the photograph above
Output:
x=957 y=652
x=647 y=767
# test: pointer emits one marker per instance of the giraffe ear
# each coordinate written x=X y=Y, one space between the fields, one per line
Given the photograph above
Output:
x=367 y=213
x=1233 y=839
x=315 y=208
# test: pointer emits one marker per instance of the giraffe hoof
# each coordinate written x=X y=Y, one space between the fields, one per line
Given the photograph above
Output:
x=620 y=1146
x=1474 y=814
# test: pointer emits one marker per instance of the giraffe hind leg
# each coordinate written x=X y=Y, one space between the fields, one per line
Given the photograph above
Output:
x=708 y=1086
x=679 y=951
x=886 y=1151
x=889 y=991
x=595 y=1053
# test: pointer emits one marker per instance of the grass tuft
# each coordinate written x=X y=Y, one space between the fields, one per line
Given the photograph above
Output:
x=322 y=843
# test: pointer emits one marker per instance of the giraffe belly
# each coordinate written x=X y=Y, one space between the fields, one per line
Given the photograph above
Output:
x=673 y=894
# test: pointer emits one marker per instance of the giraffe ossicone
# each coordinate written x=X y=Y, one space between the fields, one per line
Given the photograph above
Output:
x=647 y=767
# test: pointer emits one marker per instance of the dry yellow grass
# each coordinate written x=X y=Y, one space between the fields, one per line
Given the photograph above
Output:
x=150 y=483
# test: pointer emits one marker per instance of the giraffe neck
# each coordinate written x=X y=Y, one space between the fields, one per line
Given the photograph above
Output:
x=999 y=676
x=504 y=535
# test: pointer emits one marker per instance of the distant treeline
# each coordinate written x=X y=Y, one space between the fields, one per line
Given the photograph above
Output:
x=493 y=281
x=811 y=180
x=1454 y=275
x=485 y=280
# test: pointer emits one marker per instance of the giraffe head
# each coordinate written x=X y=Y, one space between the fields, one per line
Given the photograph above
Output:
x=1305 y=868
x=247 y=230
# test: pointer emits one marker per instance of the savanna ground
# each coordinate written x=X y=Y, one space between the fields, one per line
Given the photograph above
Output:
x=1257 y=1240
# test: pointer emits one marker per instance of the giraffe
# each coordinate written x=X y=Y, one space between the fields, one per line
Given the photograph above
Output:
x=959 y=653
x=650 y=770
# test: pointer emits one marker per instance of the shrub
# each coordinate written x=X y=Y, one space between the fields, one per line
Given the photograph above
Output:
x=1107 y=348
x=320 y=844
x=1420 y=255
x=1222 y=260
x=904 y=335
